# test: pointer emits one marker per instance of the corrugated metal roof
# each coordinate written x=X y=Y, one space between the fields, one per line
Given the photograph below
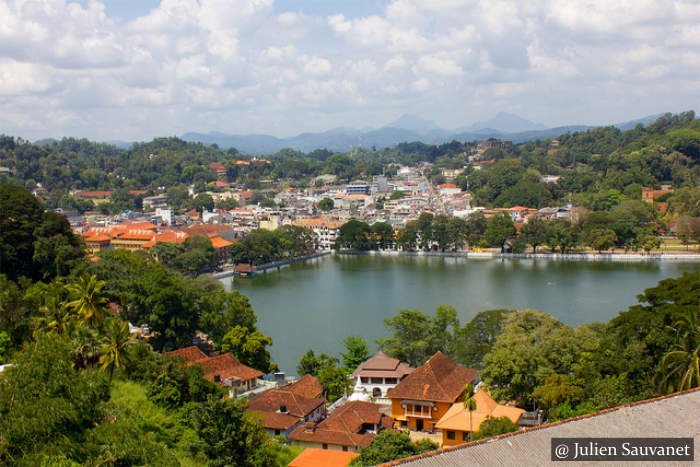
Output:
x=669 y=417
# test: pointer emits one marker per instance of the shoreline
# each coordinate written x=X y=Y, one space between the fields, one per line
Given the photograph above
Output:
x=603 y=257
x=276 y=264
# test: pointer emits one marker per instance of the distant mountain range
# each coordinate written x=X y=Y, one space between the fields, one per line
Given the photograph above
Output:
x=407 y=128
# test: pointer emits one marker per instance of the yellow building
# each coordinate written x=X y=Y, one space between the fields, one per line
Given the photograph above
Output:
x=458 y=422
x=424 y=397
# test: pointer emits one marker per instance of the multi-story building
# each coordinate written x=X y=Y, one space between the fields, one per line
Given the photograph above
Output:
x=325 y=230
x=358 y=188
x=420 y=400
x=374 y=377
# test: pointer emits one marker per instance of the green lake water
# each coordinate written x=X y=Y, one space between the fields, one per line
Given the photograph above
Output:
x=316 y=304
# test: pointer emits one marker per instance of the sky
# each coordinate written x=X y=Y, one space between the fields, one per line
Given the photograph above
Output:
x=137 y=69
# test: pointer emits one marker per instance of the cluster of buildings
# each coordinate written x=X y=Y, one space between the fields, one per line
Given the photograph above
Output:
x=428 y=401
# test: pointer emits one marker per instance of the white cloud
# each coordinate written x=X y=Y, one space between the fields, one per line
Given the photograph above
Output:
x=235 y=65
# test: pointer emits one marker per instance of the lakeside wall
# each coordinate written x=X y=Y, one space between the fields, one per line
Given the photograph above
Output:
x=274 y=264
x=549 y=256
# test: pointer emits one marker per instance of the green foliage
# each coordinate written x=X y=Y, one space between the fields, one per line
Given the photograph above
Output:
x=556 y=390
x=335 y=382
x=680 y=367
x=232 y=437
x=416 y=337
x=5 y=342
x=264 y=246
x=532 y=347
x=250 y=348
x=34 y=243
x=494 y=426
x=499 y=229
x=312 y=364
x=354 y=235
x=534 y=233
x=326 y=204
x=390 y=445
x=45 y=401
x=174 y=385
x=356 y=352
x=478 y=336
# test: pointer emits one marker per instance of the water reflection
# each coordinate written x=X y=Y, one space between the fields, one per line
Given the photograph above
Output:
x=317 y=304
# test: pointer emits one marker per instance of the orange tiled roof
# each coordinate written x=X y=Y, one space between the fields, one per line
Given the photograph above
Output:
x=314 y=457
x=458 y=418
x=97 y=237
x=218 y=242
x=169 y=236
x=447 y=185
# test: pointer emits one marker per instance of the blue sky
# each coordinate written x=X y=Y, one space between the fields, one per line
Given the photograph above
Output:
x=133 y=70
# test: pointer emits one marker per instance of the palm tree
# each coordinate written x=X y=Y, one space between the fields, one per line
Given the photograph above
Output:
x=469 y=403
x=680 y=368
x=54 y=318
x=115 y=345
x=85 y=344
x=87 y=300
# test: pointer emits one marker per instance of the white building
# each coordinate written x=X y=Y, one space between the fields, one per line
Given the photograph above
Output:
x=374 y=377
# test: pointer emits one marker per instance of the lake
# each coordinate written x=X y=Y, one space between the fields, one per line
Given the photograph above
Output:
x=317 y=303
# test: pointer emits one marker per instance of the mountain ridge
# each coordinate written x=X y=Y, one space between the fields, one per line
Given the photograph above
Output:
x=425 y=131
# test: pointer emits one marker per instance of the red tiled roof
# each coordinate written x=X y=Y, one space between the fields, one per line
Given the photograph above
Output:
x=95 y=194
x=342 y=426
x=276 y=420
x=352 y=415
x=244 y=267
x=314 y=457
x=447 y=185
x=384 y=364
x=306 y=386
x=226 y=366
x=439 y=380
x=273 y=399
x=191 y=354
x=217 y=167
x=327 y=436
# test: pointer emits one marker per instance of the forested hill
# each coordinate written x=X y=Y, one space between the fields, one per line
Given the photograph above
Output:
x=597 y=160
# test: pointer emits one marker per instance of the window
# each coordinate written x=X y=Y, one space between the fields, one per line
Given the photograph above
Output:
x=404 y=423
x=465 y=436
x=325 y=446
x=277 y=432
x=450 y=435
x=390 y=380
x=345 y=448
x=377 y=381
x=364 y=380
x=376 y=392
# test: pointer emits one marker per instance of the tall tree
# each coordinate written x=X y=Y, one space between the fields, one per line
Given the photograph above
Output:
x=499 y=229
x=680 y=367
x=115 y=346
x=87 y=300
x=534 y=233
x=20 y=214
x=356 y=352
